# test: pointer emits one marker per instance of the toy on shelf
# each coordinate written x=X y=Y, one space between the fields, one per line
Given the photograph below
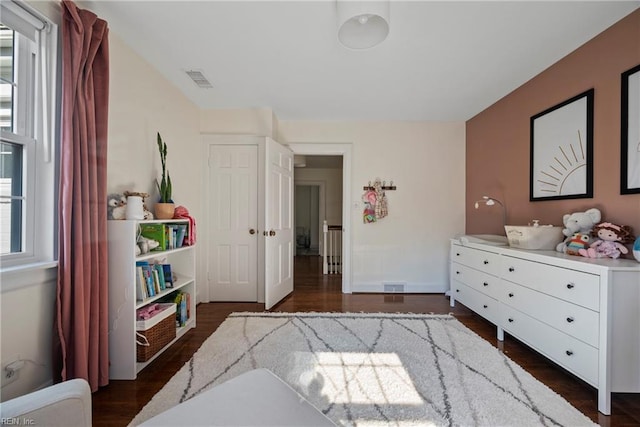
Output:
x=610 y=243
x=636 y=249
x=116 y=206
x=578 y=241
x=578 y=222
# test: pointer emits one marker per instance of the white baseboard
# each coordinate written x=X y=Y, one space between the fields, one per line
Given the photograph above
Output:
x=409 y=288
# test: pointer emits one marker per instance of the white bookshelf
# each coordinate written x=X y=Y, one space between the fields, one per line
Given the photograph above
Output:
x=122 y=236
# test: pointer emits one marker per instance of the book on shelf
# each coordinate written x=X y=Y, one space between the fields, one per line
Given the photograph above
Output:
x=157 y=232
x=171 y=236
x=168 y=275
x=181 y=308
x=152 y=279
x=141 y=285
x=181 y=234
x=182 y=300
x=156 y=280
x=159 y=270
x=146 y=278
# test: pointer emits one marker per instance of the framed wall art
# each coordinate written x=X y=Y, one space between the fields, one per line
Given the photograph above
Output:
x=630 y=132
x=561 y=162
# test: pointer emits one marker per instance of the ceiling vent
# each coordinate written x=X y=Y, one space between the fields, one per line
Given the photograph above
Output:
x=199 y=79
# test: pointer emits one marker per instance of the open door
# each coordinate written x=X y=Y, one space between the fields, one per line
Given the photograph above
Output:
x=278 y=223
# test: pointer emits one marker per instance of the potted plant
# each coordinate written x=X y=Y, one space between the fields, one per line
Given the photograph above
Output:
x=164 y=208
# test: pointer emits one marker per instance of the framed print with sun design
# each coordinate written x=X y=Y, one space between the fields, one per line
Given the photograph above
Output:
x=561 y=163
x=630 y=132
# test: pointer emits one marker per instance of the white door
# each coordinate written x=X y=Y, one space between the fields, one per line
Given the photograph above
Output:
x=279 y=223
x=233 y=237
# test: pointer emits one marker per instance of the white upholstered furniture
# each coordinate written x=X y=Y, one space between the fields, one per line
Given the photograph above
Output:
x=67 y=404
x=255 y=398
x=584 y=314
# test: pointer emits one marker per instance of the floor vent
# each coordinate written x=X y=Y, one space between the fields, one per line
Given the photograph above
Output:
x=397 y=287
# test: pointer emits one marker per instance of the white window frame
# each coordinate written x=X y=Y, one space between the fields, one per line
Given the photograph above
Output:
x=37 y=136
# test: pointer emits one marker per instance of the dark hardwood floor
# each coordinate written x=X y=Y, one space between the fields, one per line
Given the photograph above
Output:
x=117 y=403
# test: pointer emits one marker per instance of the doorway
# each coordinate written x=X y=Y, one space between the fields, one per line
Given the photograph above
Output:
x=344 y=151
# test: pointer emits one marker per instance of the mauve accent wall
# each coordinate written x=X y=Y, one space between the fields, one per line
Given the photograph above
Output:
x=497 y=139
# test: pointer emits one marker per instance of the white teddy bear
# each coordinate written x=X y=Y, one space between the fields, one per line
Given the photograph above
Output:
x=578 y=222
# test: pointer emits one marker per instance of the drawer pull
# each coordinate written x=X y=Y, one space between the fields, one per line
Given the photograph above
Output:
x=570 y=319
x=457 y=253
x=457 y=272
x=511 y=269
x=485 y=306
x=485 y=284
x=569 y=353
x=486 y=262
x=570 y=285
x=510 y=319
x=510 y=295
x=457 y=290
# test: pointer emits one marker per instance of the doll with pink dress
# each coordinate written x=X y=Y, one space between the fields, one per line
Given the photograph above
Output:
x=610 y=243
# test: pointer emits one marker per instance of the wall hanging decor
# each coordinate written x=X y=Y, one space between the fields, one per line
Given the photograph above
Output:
x=375 y=201
x=630 y=132
x=561 y=163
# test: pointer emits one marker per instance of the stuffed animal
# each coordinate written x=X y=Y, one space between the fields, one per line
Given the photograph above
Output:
x=611 y=241
x=578 y=222
x=116 y=206
x=578 y=241
x=145 y=245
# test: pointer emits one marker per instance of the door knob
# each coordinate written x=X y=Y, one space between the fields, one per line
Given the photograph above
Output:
x=272 y=233
x=252 y=231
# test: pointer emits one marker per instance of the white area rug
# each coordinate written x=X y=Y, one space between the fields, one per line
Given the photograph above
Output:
x=374 y=370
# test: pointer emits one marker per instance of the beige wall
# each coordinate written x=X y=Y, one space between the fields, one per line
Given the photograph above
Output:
x=249 y=121
x=426 y=163
x=142 y=103
x=498 y=138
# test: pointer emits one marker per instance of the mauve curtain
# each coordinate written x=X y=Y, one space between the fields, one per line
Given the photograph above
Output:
x=82 y=316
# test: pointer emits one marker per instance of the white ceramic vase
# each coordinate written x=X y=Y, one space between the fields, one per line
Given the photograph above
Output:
x=135 y=209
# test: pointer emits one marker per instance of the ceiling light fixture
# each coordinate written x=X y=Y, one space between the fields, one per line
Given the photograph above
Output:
x=362 y=23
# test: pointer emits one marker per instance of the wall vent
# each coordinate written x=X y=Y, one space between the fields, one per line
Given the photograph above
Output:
x=199 y=79
x=394 y=287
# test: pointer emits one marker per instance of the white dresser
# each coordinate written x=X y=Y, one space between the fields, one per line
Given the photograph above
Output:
x=583 y=314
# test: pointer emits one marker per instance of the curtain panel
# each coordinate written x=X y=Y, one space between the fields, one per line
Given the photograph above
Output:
x=81 y=349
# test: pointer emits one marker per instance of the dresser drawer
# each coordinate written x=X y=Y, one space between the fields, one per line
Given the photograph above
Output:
x=480 y=303
x=572 y=319
x=569 y=352
x=487 y=262
x=570 y=285
x=478 y=280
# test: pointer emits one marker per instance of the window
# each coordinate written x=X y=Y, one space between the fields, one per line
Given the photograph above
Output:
x=27 y=109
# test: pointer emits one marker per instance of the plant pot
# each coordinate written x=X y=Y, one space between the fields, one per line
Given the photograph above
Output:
x=164 y=210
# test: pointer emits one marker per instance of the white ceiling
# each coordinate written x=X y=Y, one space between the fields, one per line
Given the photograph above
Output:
x=442 y=61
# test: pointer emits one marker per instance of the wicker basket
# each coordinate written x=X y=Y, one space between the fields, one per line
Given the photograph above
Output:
x=158 y=331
